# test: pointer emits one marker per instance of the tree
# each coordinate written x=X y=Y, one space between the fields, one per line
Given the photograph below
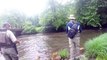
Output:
x=55 y=15
x=16 y=19
x=87 y=12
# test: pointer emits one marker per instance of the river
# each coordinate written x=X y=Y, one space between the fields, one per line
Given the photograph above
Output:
x=43 y=44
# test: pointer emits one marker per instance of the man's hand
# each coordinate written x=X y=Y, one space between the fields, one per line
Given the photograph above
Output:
x=17 y=42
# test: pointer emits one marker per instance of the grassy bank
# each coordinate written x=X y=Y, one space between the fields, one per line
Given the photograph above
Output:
x=97 y=47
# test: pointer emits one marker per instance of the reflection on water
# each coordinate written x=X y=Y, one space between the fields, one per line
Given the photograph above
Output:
x=46 y=43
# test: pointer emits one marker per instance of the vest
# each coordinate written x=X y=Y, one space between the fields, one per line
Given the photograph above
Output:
x=5 y=41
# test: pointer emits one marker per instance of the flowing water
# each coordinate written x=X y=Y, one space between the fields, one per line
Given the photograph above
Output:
x=43 y=44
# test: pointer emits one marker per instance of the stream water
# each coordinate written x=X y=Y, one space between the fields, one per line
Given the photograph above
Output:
x=43 y=44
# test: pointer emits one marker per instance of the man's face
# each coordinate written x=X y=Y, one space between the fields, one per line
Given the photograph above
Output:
x=7 y=26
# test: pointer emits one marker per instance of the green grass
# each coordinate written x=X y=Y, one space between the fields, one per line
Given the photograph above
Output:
x=97 y=47
x=63 y=53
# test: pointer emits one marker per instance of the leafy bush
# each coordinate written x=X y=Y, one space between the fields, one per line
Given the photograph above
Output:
x=87 y=12
x=39 y=29
x=97 y=47
x=63 y=53
x=56 y=16
x=29 y=28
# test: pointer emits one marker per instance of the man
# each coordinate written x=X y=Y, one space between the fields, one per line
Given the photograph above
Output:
x=73 y=30
x=8 y=43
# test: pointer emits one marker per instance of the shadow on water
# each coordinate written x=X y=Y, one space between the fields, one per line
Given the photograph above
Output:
x=51 y=41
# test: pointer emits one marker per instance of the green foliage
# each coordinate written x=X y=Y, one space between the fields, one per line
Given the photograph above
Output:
x=63 y=53
x=61 y=17
x=29 y=28
x=97 y=47
x=87 y=12
x=18 y=20
x=55 y=16
x=14 y=18
x=39 y=29
x=45 y=18
x=91 y=9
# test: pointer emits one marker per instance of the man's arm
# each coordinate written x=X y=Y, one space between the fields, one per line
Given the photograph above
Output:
x=12 y=36
x=79 y=27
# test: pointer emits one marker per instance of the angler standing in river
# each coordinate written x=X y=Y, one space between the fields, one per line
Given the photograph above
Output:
x=8 y=43
x=73 y=29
